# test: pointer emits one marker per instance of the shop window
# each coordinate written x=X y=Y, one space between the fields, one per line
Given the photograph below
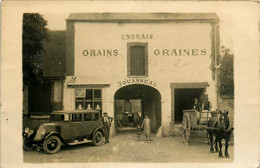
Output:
x=137 y=59
x=88 y=99
x=76 y=117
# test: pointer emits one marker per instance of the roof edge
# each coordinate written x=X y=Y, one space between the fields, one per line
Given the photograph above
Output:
x=135 y=17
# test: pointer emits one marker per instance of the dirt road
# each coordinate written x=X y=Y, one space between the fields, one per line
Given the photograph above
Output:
x=126 y=147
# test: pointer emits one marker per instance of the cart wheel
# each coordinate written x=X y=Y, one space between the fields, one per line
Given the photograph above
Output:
x=186 y=126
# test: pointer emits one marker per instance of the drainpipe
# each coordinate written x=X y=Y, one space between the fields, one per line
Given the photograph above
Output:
x=62 y=107
x=217 y=67
x=62 y=92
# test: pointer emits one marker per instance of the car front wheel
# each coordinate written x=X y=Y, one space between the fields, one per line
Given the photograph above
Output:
x=97 y=139
x=27 y=144
x=52 y=144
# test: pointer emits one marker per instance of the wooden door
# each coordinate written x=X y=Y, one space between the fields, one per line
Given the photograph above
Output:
x=120 y=106
x=136 y=107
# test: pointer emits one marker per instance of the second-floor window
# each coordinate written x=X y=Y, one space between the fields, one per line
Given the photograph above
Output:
x=137 y=59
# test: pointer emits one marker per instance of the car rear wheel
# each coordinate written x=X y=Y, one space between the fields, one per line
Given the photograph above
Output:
x=52 y=144
x=27 y=144
x=97 y=139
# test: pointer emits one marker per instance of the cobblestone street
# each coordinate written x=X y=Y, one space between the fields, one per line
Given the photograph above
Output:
x=125 y=147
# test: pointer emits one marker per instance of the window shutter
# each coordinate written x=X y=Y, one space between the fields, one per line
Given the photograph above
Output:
x=137 y=59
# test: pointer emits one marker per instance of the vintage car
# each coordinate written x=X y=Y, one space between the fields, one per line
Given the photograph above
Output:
x=68 y=127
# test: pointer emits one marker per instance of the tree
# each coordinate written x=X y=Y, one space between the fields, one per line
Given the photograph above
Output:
x=34 y=34
x=226 y=77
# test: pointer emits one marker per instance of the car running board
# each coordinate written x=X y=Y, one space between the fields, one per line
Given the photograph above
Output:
x=76 y=142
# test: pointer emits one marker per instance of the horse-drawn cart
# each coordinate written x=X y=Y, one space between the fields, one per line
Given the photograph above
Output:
x=191 y=122
x=216 y=123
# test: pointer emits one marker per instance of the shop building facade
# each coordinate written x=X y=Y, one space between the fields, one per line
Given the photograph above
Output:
x=151 y=64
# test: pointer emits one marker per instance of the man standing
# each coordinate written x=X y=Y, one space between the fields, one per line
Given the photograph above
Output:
x=197 y=109
x=206 y=109
x=106 y=122
x=206 y=105
x=147 y=128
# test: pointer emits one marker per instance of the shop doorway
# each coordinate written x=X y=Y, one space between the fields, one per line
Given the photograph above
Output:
x=184 y=99
x=134 y=100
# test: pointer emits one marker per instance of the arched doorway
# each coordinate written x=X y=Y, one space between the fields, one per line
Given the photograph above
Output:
x=137 y=98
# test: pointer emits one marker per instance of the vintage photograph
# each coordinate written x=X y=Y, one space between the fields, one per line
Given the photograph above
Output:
x=127 y=87
x=129 y=84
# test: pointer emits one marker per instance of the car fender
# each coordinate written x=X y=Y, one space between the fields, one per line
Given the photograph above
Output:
x=98 y=129
x=54 y=133
x=29 y=135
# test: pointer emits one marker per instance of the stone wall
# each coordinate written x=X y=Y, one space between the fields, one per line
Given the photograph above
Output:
x=25 y=100
x=57 y=95
x=227 y=103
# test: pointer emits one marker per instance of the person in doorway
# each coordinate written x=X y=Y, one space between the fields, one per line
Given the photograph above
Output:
x=206 y=109
x=147 y=128
x=139 y=123
x=206 y=105
x=197 y=109
x=139 y=119
x=106 y=123
x=119 y=120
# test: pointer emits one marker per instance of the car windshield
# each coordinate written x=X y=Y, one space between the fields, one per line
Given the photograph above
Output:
x=57 y=117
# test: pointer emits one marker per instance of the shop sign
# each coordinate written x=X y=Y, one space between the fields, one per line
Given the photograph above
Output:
x=100 y=52
x=180 y=52
x=156 y=52
x=137 y=81
x=136 y=36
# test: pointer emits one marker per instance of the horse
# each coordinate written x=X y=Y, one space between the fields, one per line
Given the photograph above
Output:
x=219 y=127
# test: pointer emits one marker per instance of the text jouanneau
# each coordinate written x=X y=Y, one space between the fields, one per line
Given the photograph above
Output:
x=137 y=81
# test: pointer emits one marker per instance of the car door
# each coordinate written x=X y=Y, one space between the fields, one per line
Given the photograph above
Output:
x=96 y=121
x=65 y=126
x=87 y=124
x=76 y=125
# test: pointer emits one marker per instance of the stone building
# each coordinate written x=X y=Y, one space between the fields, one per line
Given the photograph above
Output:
x=153 y=64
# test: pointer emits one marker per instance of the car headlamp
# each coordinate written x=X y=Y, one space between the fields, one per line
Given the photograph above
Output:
x=26 y=130
x=43 y=131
